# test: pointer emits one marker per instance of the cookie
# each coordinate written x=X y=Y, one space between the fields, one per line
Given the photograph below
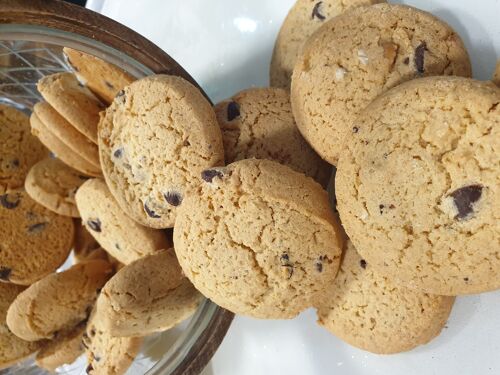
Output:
x=259 y=239
x=73 y=101
x=258 y=123
x=303 y=19
x=119 y=235
x=496 y=75
x=12 y=348
x=53 y=184
x=19 y=150
x=60 y=149
x=417 y=186
x=149 y=295
x=370 y=312
x=345 y=65
x=62 y=350
x=108 y=355
x=154 y=141
x=104 y=79
x=66 y=133
x=58 y=302
x=34 y=241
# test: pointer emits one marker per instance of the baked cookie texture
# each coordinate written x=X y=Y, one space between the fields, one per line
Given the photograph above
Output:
x=119 y=235
x=155 y=139
x=73 y=101
x=53 y=184
x=64 y=349
x=108 y=355
x=67 y=134
x=19 y=150
x=102 y=78
x=369 y=311
x=149 y=295
x=62 y=151
x=303 y=19
x=58 y=302
x=259 y=239
x=12 y=348
x=418 y=185
x=346 y=64
x=33 y=240
x=258 y=123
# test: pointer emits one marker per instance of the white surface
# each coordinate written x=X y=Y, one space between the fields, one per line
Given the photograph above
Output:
x=226 y=45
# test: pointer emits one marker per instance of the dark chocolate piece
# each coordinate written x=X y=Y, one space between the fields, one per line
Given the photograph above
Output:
x=362 y=263
x=5 y=273
x=152 y=214
x=37 y=228
x=173 y=198
x=233 y=111
x=9 y=204
x=95 y=225
x=464 y=198
x=420 y=57
x=316 y=12
x=209 y=174
x=109 y=85
x=118 y=153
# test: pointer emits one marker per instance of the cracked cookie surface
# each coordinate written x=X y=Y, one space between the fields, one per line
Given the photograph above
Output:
x=258 y=123
x=258 y=239
x=305 y=17
x=58 y=302
x=19 y=150
x=119 y=235
x=33 y=240
x=418 y=185
x=149 y=295
x=357 y=56
x=53 y=184
x=154 y=141
x=369 y=311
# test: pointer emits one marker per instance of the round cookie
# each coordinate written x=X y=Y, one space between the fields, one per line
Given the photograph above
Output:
x=62 y=350
x=496 y=75
x=149 y=295
x=417 y=186
x=12 y=348
x=108 y=355
x=60 y=149
x=345 y=65
x=58 y=302
x=19 y=150
x=303 y=19
x=119 y=235
x=34 y=241
x=258 y=123
x=67 y=134
x=370 y=312
x=259 y=239
x=154 y=141
x=73 y=101
x=104 y=79
x=53 y=184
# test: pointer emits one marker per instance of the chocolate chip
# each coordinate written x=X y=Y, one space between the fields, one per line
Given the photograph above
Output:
x=109 y=85
x=319 y=266
x=285 y=262
x=120 y=93
x=173 y=198
x=95 y=225
x=89 y=369
x=5 y=273
x=362 y=263
x=117 y=246
x=209 y=174
x=92 y=332
x=464 y=198
x=466 y=279
x=118 y=153
x=150 y=212
x=82 y=177
x=7 y=203
x=233 y=111
x=15 y=163
x=97 y=358
x=37 y=228
x=406 y=61
x=392 y=207
x=419 y=57
x=381 y=208
x=355 y=129
x=284 y=258
x=316 y=12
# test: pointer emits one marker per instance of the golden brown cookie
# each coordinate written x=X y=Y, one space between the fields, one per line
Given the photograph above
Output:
x=33 y=240
x=19 y=150
x=73 y=101
x=154 y=141
x=259 y=239
x=104 y=79
x=258 y=123
x=58 y=302
x=53 y=184
x=417 y=186
x=345 y=65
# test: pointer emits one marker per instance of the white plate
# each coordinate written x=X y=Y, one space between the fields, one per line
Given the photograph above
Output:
x=226 y=45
